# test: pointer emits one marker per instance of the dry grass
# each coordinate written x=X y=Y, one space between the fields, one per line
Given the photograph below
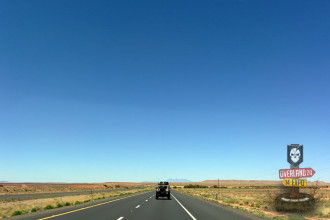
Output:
x=22 y=188
x=260 y=201
x=21 y=207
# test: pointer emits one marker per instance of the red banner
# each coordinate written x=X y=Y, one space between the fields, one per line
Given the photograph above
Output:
x=296 y=173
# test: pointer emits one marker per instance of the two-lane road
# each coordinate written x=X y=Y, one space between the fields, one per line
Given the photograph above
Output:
x=144 y=207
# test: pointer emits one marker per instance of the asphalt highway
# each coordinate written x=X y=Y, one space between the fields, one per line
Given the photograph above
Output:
x=144 y=207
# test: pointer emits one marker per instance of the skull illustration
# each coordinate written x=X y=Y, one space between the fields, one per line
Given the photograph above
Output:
x=295 y=154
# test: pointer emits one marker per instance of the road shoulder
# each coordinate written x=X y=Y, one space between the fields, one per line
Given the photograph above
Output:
x=226 y=208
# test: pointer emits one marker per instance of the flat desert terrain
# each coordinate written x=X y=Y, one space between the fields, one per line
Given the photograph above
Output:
x=256 y=197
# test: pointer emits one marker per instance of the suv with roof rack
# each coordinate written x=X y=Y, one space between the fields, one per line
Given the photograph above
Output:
x=163 y=190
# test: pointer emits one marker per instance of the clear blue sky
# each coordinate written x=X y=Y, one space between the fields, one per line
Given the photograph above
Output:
x=95 y=91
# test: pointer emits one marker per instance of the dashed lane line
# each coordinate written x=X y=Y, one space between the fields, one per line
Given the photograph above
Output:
x=120 y=218
x=137 y=207
x=192 y=217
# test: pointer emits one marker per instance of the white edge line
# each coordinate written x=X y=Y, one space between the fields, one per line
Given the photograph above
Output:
x=185 y=208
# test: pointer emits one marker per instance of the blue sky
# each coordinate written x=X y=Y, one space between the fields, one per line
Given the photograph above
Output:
x=94 y=91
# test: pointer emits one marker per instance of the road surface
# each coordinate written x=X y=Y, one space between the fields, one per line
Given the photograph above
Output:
x=143 y=207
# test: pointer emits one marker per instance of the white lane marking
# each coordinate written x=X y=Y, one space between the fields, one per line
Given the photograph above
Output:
x=184 y=208
x=120 y=218
x=137 y=206
x=147 y=200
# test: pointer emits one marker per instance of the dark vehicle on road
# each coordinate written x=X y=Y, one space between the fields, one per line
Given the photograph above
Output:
x=163 y=190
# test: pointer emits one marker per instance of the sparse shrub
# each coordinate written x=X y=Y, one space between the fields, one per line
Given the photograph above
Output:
x=258 y=213
x=77 y=203
x=59 y=205
x=87 y=200
x=48 y=207
x=67 y=204
x=296 y=218
x=258 y=205
x=17 y=213
x=230 y=200
x=117 y=186
x=215 y=186
x=33 y=210
x=252 y=205
x=194 y=186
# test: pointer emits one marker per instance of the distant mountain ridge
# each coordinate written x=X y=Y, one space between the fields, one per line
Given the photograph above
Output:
x=178 y=180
